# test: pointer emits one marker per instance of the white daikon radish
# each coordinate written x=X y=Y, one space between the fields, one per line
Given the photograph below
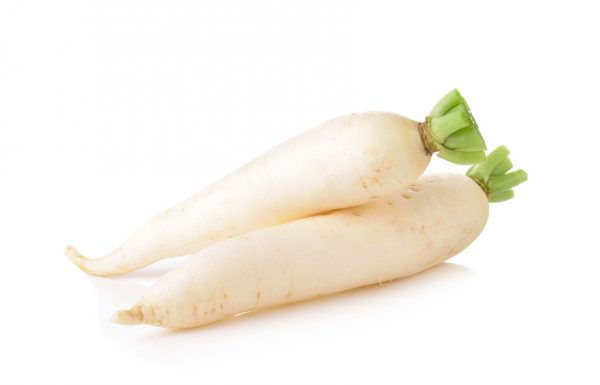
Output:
x=341 y=163
x=391 y=237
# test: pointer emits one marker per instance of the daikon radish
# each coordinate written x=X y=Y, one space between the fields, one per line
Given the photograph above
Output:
x=391 y=237
x=341 y=163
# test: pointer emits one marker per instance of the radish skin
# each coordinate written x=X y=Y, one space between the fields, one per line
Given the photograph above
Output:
x=342 y=163
x=302 y=177
x=388 y=238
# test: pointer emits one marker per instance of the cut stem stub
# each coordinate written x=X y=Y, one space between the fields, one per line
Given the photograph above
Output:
x=493 y=176
x=451 y=130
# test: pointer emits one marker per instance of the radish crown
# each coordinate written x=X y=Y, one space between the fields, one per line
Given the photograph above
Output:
x=493 y=176
x=451 y=131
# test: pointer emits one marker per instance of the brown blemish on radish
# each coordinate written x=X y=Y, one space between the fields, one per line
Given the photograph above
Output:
x=384 y=166
x=369 y=181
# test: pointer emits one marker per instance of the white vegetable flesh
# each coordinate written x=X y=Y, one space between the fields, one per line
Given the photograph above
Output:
x=390 y=237
x=341 y=163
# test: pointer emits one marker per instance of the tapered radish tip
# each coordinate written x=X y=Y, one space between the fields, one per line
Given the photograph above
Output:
x=73 y=255
x=85 y=264
x=126 y=317
x=70 y=251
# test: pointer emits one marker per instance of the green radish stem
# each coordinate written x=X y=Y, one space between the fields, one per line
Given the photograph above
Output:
x=502 y=168
x=460 y=157
x=452 y=131
x=493 y=176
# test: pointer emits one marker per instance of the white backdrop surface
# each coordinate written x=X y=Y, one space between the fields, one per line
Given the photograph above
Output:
x=111 y=111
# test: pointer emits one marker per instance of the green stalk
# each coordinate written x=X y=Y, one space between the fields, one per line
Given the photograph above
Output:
x=448 y=102
x=460 y=157
x=502 y=168
x=466 y=139
x=451 y=130
x=507 y=181
x=501 y=196
x=483 y=170
x=493 y=176
x=454 y=120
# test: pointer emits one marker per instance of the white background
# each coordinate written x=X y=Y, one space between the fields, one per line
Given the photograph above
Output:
x=113 y=110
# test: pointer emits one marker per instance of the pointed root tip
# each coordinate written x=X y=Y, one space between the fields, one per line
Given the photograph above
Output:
x=74 y=256
x=126 y=317
x=82 y=262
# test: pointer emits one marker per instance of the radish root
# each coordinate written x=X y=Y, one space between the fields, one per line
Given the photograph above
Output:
x=75 y=256
x=100 y=266
x=127 y=317
x=379 y=153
